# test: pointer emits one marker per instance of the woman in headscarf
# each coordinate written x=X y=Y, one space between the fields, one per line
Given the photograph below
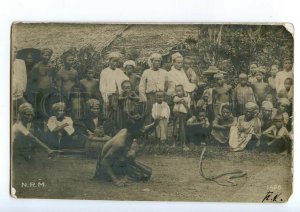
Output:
x=246 y=133
x=222 y=124
x=153 y=79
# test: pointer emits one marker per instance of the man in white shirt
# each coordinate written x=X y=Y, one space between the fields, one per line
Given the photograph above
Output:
x=153 y=79
x=19 y=82
x=282 y=75
x=111 y=79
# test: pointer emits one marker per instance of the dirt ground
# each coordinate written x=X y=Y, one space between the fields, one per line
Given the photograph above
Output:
x=175 y=177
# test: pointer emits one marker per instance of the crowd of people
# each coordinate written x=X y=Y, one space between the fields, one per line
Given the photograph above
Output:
x=61 y=109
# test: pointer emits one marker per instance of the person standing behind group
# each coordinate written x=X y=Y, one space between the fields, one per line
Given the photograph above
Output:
x=285 y=73
x=110 y=87
x=129 y=67
x=153 y=79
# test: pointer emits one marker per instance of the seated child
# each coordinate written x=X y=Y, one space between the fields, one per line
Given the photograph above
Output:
x=180 y=111
x=266 y=114
x=287 y=92
x=198 y=128
x=61 y=129
x=161 y=112
x=276 y=138
x=222 y=124
x=283 y=105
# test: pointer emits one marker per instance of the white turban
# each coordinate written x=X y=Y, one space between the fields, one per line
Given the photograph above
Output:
x=154 y=56
x=129 y=63
x=114 y=55
x=175 y=56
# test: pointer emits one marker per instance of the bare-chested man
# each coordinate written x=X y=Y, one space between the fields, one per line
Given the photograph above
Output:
x=90 y=85
x=260 y=88
x=67 y=77
x=116 y=162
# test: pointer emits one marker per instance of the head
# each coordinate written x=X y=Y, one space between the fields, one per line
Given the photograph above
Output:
x=259 y=76
x=288 y=83
x=59 y=110
x=283 y=104
x=177 y=61
x=287 y=64
x=269 y=98
x=179 y=90
x=26 y=113
x=251 y=110
x=114 y=60
x=129 y=67
x=266 y=109
x=201 y=115
x=253 y=67
x=155 y=61
x=205 y=95
x=225 y=111
x=187 y=63
x=46 y=54
x=278 y=121
x=126 y=86
x=219 y=78
x=159 y=97
x=29 y=59
x=94 y=107
x=68 y=59
x=243 y=79
x=274 y=70
x=90 y=73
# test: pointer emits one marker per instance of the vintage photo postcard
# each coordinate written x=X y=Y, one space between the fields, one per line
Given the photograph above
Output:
x=155 y=112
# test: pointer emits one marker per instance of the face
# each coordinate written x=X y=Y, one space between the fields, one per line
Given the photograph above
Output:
x=113 y=63
x=27 y=117
x=287 y=65
x=46 y=56
x=269 y=98
x=69 y=60
x=60 y=113
x=253 y=67
x=126 y=87
x=278 y=124
x=258 y=76
x=187 y=63
x=90 y=74
x=243 y=81
x=225 y=113
x=282 y=108
x=249 y=114
x=274 y=70
x=159 y=98
x=287 y=84
x=220 y=81
x=29 y=59
x=178 y=63
x=201 y=116
x=95 y=111
x=266 y=113
x=179 y=91
x=129 y=69
x=156 y=63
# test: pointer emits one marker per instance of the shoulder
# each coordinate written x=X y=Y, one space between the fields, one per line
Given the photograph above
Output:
x=19 y=61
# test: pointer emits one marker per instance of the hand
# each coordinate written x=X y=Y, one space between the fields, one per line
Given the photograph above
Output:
x=120 y=183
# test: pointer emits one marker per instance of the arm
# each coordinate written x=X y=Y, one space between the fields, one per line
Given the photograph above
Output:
x=102 y=86
x=142 y=87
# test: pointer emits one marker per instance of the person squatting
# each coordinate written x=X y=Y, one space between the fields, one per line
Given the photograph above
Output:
x=58 y=110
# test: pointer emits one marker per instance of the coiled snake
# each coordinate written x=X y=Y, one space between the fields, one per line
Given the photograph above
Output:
x=230 y=175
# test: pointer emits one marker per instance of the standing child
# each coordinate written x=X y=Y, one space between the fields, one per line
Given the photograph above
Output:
x=260 y=88
x=161 y=112
x=181 y=111
x=271 y=79
x=242 y=94
x=90 y=85
x=288 y=89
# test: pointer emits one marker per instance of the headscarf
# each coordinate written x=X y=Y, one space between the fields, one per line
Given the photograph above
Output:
x=154 y=56
x=284 y=101
x=175 y=56
x=267 y=105
x=251 y=106
x=129 y=63
x=114 y=55
x=93 y=103
x=57 y=106
x=47 y=50
x=25 y=108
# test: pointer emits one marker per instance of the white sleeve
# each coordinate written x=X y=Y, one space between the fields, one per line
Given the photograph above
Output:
x=102 y=85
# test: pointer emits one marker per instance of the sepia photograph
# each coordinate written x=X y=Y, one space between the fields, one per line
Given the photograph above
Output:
x=152 y=112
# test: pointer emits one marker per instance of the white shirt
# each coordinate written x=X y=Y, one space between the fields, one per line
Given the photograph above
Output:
x=53 y=123
x=152 y=81
x=110 y=82
x=178 y=77
x=162 y=110
x=280 y=77
x=19 y=78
